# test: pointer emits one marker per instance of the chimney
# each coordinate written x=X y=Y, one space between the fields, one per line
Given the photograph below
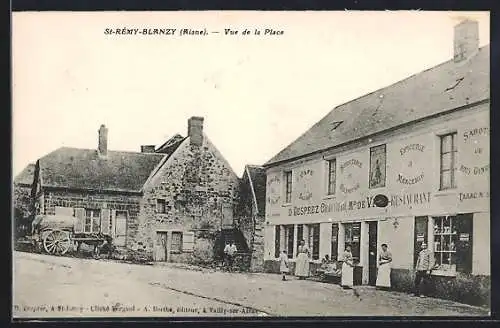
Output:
x=195 y=130
x=466 y=40
x=103 y=141
x=148 y=149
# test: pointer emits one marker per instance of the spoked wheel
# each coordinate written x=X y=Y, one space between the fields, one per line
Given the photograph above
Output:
x=57 y=242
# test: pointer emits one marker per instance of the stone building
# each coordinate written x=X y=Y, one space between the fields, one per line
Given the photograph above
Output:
x=21 y=200
x=169 y=203
x=423 y=143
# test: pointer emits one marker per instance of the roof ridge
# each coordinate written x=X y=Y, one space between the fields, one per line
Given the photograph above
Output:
x=109 y=151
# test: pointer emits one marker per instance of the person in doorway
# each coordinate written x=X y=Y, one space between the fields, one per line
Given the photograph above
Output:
x=347 y=277
x=384 y=269
x=422 y=270
x=302 y=262
x=231 y=255
x=284 y=264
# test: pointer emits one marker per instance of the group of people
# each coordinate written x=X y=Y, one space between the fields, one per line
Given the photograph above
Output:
x=423 y=267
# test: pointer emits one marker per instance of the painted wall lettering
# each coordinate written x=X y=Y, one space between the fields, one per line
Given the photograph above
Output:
x=473 y=195
x=476 y=149
x=305 y=184
x=350 y=170
x=410 y=174
x=273 y=187
x=410 y=199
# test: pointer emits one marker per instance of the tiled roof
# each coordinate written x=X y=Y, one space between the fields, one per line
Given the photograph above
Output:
x=444 y=87
x=26 y=176
x=257 y=176
x=75 y=168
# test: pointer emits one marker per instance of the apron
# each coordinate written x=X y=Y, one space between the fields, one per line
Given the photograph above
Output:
x=384 y=275
x=347 y=277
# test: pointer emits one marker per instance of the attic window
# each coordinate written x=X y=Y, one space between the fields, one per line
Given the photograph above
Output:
x=457 y=82
x=335 y=125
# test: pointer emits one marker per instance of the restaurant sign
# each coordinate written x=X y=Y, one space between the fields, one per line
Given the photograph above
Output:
x=358 y=204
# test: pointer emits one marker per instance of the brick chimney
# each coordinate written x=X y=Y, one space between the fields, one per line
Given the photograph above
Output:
x=102 y=148
x=195 y=130
x=466 y=40
x=148 y=149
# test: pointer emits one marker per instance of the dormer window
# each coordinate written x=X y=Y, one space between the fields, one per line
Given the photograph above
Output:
x=335 y=125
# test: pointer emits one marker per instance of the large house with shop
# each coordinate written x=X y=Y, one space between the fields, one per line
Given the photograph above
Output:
x=167 y=203
x=423 y=143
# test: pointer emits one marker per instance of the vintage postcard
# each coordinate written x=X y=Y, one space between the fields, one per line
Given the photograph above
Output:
x=250 y=164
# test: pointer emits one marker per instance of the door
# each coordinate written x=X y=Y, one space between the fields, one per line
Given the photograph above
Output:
x=120 y=228
x=161 y=246
x=372 y=253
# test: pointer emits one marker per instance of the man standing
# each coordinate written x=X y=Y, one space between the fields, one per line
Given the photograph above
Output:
x=232 y=253
x=226 y=255
x=422 y=270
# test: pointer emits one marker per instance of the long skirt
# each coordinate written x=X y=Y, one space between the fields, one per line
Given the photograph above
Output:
x=302 y=265
x=384 y=275
x=347 y=278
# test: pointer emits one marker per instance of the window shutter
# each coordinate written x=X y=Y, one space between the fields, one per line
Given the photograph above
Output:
x=66 y=211
x=464 y=243
x=187 y=241
x=335 y=241
x=105 y=219
x=420 y=235
x=277 y=241
x=80 y=220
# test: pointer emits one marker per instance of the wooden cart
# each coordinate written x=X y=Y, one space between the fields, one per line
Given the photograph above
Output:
x=56 y=235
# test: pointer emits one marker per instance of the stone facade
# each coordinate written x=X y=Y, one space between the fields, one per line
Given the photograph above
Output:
x=115 y=202
x=196 y=184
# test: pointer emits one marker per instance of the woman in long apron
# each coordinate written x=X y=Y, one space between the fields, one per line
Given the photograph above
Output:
x=347 y=277
x=384 y=268
x=302 y=261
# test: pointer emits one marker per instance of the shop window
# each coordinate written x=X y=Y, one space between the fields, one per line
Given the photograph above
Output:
x=176 y=244
x=332 y=168
x=288 y=187
x=92 y=220
x=288 y=240
x=334 y=241
x=448 y=152
x=277 y=241
x=451 y=241
x=352 y=237
x=313 y=240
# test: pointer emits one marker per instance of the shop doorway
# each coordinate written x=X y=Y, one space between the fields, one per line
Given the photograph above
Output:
x=372 y=253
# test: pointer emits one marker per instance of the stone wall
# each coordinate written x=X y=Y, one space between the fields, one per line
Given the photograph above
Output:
x=21 y=198
x=195 y=182
x=129 y=203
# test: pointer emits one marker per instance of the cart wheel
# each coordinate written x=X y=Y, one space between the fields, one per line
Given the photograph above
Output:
x=57 y=242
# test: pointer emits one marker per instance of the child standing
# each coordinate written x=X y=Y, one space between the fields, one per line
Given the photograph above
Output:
x=284 y=264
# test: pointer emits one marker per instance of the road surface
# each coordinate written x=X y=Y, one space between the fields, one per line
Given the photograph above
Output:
x=50 y=286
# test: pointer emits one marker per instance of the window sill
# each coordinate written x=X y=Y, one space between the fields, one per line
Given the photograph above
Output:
x=443 y=273
x=286 y=205
x=446 y=192
x=329 y=196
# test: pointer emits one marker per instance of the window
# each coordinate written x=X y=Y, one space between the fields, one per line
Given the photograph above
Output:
x=377 y=166
x=288 y=187
x=288 y=240
x=160 y=206
x=277 y=241
x=332 y=166
x=352 y=237
x=448 y=152
x=313 y=240
x=451 y=241
x=92 y=220
x=334 y=241
x=176 y=241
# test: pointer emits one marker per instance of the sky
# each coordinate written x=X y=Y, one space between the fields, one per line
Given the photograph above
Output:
x=257 y=93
